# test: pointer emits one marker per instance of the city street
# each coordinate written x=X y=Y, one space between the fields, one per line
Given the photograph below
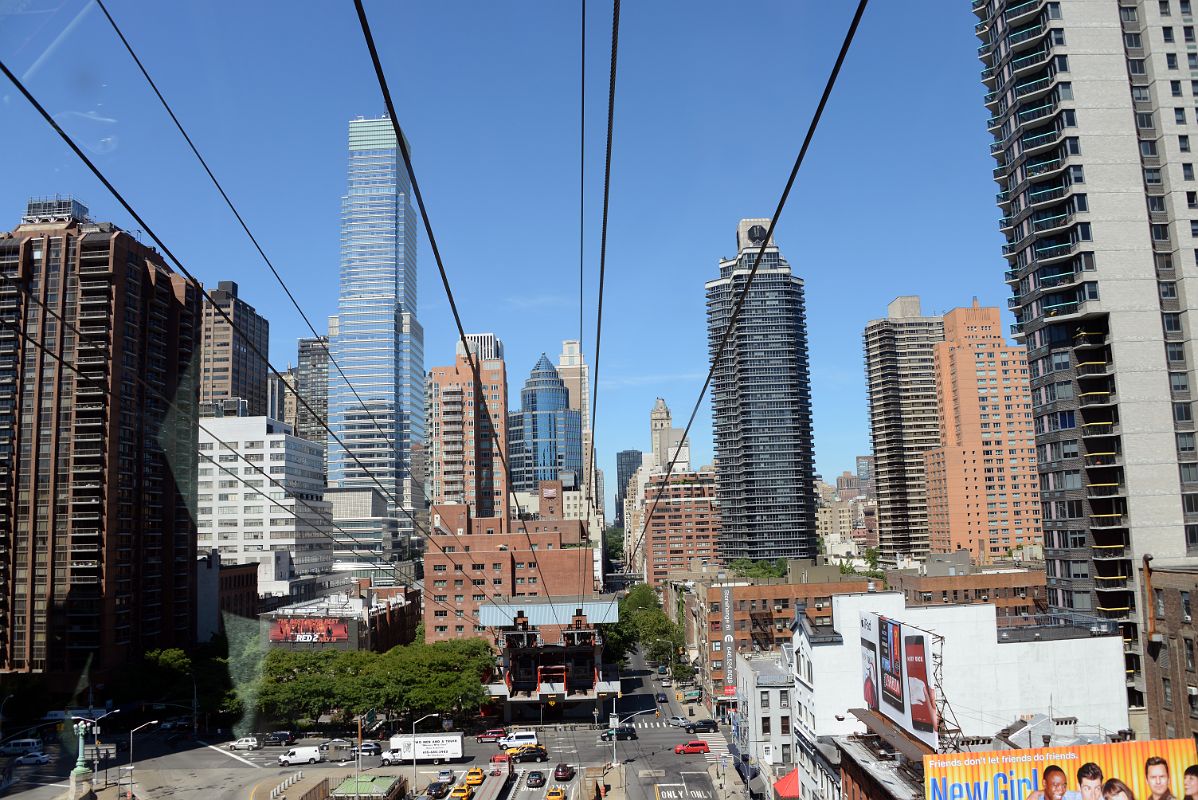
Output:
x=171 y=766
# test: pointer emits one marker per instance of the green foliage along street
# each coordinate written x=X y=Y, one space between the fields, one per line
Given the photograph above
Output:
x=643 y=623
x=414 y=679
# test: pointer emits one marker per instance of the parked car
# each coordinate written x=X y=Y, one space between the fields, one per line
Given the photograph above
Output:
x=447 y=776
x=246 y=743
x=563 y=772
x=556 y=793
x=475 y=776
x=532 y=752
x=535 y=779
x=661 y=697
x=369 y=749
x=331 y=744
x=437 y=790
x=665 y=681
x=279 y=739
x=662 y=670
x=33 y=758
x=703 y=726
x=621 y=732
x=696 y=746
x=678 y=722
x=461 y=793
x=492 y=735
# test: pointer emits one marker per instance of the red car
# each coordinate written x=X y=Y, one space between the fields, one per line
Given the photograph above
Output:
x=696 y=746
x=492 y=735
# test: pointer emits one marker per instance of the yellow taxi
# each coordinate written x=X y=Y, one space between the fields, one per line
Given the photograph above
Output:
x=462 y=792
x=556 y=793
x=475 y=777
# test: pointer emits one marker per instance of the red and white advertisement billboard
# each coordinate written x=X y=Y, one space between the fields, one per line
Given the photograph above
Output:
x=313 y=630
x=896 y=675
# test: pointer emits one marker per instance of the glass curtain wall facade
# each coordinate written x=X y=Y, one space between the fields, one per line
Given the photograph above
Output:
x=545 y=435
x=761 y=406
x=377 y=341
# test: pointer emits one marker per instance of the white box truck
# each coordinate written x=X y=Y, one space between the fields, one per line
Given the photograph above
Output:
x=434 y=747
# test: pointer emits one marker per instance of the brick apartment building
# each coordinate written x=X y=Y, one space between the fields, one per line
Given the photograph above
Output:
x=718 y=611
x=951 y=578
x=685 y=524
x=469 y=561
x=1171 y=680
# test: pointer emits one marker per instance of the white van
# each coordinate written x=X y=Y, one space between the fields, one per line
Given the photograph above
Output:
x=518 y=739
x=301 y=755
x=19 y=747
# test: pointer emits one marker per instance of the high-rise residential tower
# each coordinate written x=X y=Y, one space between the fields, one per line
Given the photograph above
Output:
x=1093 y=142
x=904 y=423
x=574 y=371
x=487 y=345
x=376 y=338
x=312 y=384
x=761 y=405
x=545 y=435
x=464 y=464
x=983 y=491
x=627 y=462
x=97 y=487
x=233 y=366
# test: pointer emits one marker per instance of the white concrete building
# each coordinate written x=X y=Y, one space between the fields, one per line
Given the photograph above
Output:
x=762 y=726
x=1069 y=667
x=291 y=519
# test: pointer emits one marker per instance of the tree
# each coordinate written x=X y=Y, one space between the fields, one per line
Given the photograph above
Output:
x=613 y=539
x=871 y=557
x=747 y=568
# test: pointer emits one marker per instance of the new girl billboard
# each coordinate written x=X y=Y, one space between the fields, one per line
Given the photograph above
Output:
x=1152 y=770
x=895 y=675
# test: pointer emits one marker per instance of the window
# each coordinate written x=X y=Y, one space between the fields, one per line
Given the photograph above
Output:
x=1136 y=67
x=1182 y=412
x=1152 y=176
x=1144 y=120
x=1179 y=116
x=1128 y=14
x=1187 y=171
x=1175 y=351
x=1172 y=322
x=1166 y=32
x=1159 y=601
x=1148 y=148
x=1179 y=382
x=1185 y=605
x=1160 y=232
x=1058 y=37
x=1187 y=33
x=784 y=699
x=1166 y=692
x=784 y=725
x=1183 y=142
x=1171 y=60
x=765 y=726
x=765 y=701
x=1164 y=4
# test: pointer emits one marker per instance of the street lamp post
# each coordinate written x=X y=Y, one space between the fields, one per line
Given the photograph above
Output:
x=414 y=724
x=94 y=725
x=135 y=730
x=2 y=703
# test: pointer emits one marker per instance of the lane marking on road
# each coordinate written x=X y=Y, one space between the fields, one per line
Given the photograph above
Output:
x=234 y=755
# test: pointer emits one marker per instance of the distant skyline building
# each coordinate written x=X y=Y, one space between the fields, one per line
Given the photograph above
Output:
x=233 y=355
x=487 y=345
x=865 y=475
x=666 y=441
x=280 y=395
x=545 y=435
x=464 y=463
x=376 y=338
x=312 y=384
x=574 y=371
x=904 y=423
x=627 y=462
x=761 y=405
x=98 y=540
x=984 y=403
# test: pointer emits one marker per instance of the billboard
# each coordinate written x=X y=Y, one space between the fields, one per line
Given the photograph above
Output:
x=320 y=630
x=895 y=676
x=1151 y=770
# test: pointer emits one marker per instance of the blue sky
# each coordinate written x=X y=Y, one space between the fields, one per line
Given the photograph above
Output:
x=712 y=104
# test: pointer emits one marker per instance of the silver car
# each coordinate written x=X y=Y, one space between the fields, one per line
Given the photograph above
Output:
x=678 y=722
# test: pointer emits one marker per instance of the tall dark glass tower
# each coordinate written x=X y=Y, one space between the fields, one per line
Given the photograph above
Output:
x=761 y=405
x=545 y=435
x=627 y=462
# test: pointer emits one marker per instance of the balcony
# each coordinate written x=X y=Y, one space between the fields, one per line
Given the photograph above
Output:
x=1041 y=196
x=1036 y=169
x=1097 y=398
x=1052 y=223
x=1023 y=12
x=1101 y=521
x=1091 y=368
x=1111 y=583
x=1109 y=459
x=1023 y=38
x=1110 y=552
x=1104 y=428
x=1105 y=490
x=1040 y=141
x=1033 y=88
x=1023 y=64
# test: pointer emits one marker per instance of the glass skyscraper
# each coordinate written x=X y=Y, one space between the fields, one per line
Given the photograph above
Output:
x=545 y=435
x=376 y=338
x=761 y=406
